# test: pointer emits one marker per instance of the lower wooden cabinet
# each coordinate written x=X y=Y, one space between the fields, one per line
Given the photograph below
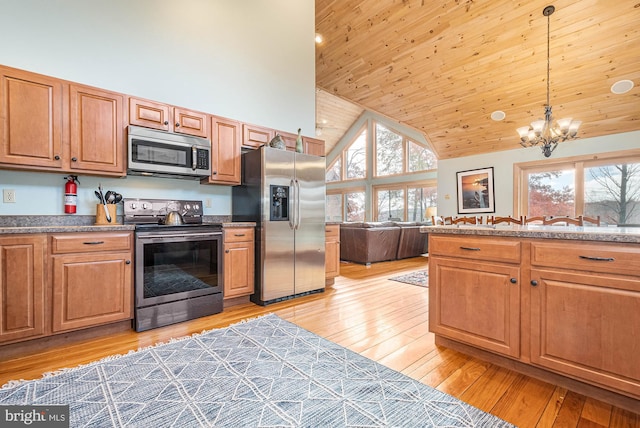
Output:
x=332 y=253
x=563 y=307
x=92 y=279
x=22 y=287
x=239 y=261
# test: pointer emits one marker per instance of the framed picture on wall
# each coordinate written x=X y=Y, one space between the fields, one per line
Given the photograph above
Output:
x=475 y=191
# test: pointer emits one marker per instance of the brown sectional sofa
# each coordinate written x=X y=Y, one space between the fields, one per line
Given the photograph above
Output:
x=371 y=242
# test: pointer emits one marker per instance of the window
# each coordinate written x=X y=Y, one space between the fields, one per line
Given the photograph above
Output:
x=389 y=152
x=334 y=171
x=355 y=206
x=396 y=154
x=356 y=157
x=380 y=174
x=408 y=202
x=607 y=185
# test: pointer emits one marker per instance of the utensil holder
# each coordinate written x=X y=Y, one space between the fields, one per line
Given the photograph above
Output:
x=101 y=217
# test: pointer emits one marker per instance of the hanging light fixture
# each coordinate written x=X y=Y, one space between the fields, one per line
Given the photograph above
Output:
x=544 y=131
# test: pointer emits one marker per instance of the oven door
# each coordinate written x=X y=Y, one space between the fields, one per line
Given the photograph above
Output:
x=177 y=266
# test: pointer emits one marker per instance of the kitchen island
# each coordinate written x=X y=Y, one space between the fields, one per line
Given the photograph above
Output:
x=558 y=303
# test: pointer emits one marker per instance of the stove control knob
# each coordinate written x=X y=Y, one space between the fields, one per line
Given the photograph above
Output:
x=196 y=207
x=133 y=206
x=187 y=207
x=144 y=206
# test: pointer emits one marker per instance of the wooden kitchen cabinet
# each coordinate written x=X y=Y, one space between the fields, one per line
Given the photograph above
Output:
x=475 y=292
x=313 y=146
x=332 y=253
x=585 y=315
x=22 y=287
x=31 y=119
x=97 y=137
x=239 y=261
x=254 y=136
x=92 y=279
x=226 y=140
x=151 y=114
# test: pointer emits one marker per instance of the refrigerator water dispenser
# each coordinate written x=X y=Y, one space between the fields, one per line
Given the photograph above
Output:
x=279 y=203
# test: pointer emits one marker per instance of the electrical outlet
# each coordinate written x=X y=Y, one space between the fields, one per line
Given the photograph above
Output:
x=207 y=203
x=8 y=196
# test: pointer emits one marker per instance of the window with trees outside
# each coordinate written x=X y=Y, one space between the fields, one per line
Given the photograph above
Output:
x=396 y=189
x=607 y=186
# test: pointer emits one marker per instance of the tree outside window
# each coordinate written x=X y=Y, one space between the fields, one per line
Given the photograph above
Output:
x=334 y=172
x=356 y=157
x=333 y=208
x=419 y=199
x=552 y=193
x=389 y=152
x=613 y=193
x=390 y=204
x=355 y=206
x=421 y=158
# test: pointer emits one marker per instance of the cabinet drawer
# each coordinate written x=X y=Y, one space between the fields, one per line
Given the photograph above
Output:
x=587 y=256
x=488 y=249
x=90 y=242
x=332 y=231
x=238 y=234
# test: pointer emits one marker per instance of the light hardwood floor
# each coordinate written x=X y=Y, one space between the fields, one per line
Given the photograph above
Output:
x=384 y=320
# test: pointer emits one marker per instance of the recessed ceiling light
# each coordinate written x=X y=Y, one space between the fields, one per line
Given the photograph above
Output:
x=319 y=38
x=498 y=115
x=622 y=86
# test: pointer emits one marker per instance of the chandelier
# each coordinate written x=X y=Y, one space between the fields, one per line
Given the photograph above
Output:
x=544 y=131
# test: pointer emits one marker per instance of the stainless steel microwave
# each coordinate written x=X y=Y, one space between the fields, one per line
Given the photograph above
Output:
x=165 y=154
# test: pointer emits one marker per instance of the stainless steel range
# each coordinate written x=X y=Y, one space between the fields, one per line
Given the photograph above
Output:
x=178 y=262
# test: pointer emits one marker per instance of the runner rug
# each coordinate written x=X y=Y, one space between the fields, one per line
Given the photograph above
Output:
x=263 y=372
x=419 y=278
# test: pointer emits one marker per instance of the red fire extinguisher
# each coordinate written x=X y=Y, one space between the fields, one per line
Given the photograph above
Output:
x=71 y=194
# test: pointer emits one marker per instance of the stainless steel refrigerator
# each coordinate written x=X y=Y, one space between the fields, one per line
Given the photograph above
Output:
x=284 y=193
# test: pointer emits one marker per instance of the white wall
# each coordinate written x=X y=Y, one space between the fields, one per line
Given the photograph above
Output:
x=502 y=163
x=251 y=60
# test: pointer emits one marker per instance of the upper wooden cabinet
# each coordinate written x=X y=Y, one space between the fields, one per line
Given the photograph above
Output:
x=54 y=125
x=226 y=139
x=313 y=146
x=165 y=117
x=31 y=119
x=255 y=136
x=97 y=130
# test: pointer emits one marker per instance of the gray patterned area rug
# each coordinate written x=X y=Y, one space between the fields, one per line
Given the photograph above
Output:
x=265 y=372
x=419 y=278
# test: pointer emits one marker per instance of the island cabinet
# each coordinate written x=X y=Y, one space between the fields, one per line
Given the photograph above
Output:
x=92 y=279
x=165 y=117
x=22 y=287
x=585 y=311
x=475 y=292
x=238 y=261
x=226 y=140
x=332 y=253
x=566 y=310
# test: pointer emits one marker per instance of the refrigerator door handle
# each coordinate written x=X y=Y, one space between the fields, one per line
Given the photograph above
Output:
x=292 y=207
x=298 y=216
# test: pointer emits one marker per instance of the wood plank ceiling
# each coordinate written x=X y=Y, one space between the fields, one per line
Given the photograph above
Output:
x=444 y=66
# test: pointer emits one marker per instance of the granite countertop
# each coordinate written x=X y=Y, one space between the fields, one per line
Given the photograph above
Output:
x=603 y=233
x=84 y=223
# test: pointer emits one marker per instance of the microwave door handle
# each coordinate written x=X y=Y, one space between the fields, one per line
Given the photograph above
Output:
x=194 y=157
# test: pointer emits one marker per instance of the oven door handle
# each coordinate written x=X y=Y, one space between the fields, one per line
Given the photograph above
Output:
x=189 y=236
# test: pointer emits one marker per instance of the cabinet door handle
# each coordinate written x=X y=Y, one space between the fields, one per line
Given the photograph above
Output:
x=470 y=248
x=534 y=282
x=56 y=157
x=177 y=124
x=74 y=159
x=513 y=280
x=598 y=259
x=239 y=234
x=128 y=262
x=226 y=251
x=166 y=122
x=214 y=173
x=93 y=243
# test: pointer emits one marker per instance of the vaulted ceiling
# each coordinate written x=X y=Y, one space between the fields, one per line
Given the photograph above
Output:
x=443 y=66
